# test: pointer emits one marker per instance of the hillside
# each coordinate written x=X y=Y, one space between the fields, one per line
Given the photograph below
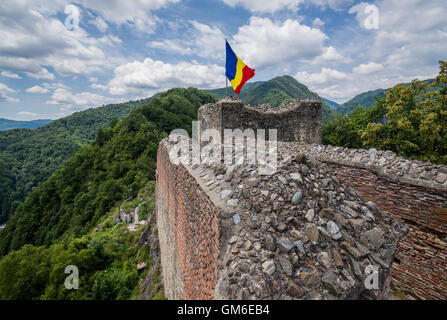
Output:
x=29 y=157
x=331 y=104
x=276 y=92
x=116 y=260
x=114 y=167
x=7 y=124
x=367 y=99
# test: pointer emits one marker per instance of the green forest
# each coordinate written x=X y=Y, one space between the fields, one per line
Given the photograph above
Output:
x=52 y=226
x=29 y=157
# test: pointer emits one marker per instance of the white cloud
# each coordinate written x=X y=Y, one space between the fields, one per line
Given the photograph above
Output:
x=10 y=75
x=135 y=13
x=100 y=24
x=265 y=6
x=4 y=93
x=70 y=102
x=264 y=42
x=262 y=6
x=333 y=4
x=42 y=74
x=325 y=76
x=32 y=41
x=37 y=89
x=28 y=115
x=317 y=23
x=368 y=68
x=203 y=41
x=149 y=76
x=99 y=86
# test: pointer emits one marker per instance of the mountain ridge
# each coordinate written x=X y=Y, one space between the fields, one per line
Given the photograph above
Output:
x=9 y=124
x=276 y=92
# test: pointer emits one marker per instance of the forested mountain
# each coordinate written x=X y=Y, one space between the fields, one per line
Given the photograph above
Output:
x=366 y=99
x=221 y=92
x=29 y=157
x=7 y=124
x=117 y=164
x=331 y=104
x=276 y=92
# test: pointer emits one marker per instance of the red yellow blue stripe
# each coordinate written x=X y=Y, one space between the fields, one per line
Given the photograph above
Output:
x=236 y=70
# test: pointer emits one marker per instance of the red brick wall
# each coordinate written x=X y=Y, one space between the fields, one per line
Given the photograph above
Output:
x=421 y=260
x=195 y=225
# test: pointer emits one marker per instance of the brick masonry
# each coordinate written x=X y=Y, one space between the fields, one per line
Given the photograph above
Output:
x=420 y=266
x=189 y=232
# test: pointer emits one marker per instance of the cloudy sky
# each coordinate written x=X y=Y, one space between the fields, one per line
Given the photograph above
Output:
x=58 y=57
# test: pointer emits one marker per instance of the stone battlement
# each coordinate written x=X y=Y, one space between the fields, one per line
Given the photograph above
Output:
x=298 y=120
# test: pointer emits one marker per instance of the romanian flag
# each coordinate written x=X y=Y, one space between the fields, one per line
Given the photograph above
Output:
x=236 y=71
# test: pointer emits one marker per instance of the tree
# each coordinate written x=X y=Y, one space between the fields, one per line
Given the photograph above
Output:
x=416 y=117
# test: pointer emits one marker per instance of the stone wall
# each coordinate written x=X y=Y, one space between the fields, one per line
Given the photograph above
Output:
x=188 y=231
x=298 y=120
x=231 y=232
x=420 y=267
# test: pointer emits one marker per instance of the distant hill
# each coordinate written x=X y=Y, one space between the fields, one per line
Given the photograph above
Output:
x=366 y=99
x=29 y=157
x=276 y=92
x=331 y=104
x=7 y=124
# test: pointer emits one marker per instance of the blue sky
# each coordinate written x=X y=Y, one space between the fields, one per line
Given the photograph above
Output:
x=58 y=57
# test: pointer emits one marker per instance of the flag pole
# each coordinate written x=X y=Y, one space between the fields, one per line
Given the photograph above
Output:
x=226 y=79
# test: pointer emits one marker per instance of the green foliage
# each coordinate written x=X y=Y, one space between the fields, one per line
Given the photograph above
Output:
x=29 y=157
x=96 y=178
x=416 y=120
x=114 y=284
x=344 y=130
x=410 y=120
x=106 y=259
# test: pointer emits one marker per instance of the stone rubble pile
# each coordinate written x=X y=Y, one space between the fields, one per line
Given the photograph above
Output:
x=299 y=233
x=387 y=161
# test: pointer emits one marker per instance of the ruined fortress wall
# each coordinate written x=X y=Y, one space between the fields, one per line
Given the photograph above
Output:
x=409 y=191
x=421 y=260
x=188 y=231
x=298 y=120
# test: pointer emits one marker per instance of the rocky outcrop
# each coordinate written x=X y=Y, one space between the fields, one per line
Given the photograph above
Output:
x=384 y=163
